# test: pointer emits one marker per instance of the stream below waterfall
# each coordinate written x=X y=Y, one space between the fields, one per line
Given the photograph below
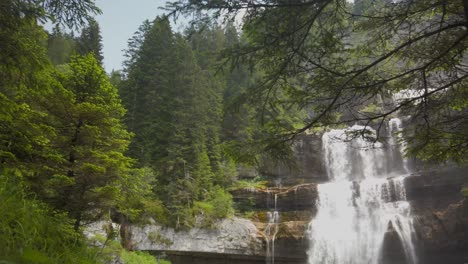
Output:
x=364 y=199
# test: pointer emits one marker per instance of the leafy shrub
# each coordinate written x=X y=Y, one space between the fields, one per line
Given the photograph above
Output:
x=256 y=183
x=222 y=203
x=218 y=205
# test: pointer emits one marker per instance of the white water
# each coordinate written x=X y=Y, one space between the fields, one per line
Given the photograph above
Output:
x=359 y=204
x=395 y=128
x=271 y=230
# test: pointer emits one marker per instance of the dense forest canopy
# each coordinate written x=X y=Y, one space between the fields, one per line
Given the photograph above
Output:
x=332 y=57
x=163 y=138
x=153 y=141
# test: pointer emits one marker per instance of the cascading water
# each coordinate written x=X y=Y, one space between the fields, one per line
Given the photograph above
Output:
x=363 y=200
x=271 y=230
x=395 y=127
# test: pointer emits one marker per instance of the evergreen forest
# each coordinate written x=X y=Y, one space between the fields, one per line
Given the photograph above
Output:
x=164 y=138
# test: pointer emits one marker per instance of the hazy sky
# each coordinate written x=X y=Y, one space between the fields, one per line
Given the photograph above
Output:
x=120 y=19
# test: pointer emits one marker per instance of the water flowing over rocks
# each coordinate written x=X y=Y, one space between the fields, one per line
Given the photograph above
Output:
x=298 y=197
x=362 y=203
x=439 y=213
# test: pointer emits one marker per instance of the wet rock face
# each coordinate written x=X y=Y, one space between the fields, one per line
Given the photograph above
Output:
x=295 y=205
x=435 y=185
x=441 y=215
x=295 y=198
x=201 y=258
x=309 y=165
x=292 y=240
x=392 y=248
x=439 y=209
x=443 y=231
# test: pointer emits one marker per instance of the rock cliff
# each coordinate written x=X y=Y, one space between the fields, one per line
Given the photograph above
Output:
x=440 y=214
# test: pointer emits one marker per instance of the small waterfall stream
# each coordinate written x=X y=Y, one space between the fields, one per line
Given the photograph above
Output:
x=364 y=199
x=271 y=230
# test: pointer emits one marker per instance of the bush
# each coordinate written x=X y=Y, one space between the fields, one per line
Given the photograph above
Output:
x=218 y=205
x=222 y=203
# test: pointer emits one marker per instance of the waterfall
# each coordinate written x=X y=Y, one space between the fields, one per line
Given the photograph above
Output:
x=395 y=128
x=271 y=230
x=362 y=201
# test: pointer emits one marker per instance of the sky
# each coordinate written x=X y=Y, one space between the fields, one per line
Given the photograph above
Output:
x=120 y=19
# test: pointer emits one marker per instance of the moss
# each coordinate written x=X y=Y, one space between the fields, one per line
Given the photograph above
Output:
x=246 y=205
x=464 y=192
x=248 y=215
x=261 y=216
x=293 y=229
x=139 y=257
x=372 y=108
x=256 y=183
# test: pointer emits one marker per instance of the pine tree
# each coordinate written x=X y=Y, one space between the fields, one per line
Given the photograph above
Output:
x=90 y=41
x=175 y=112
x=60 y=46
x=90 y=139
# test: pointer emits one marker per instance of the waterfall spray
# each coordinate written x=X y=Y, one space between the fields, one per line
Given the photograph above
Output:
x=359 y=204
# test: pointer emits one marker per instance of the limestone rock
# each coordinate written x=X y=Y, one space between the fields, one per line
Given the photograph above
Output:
x=230 y=236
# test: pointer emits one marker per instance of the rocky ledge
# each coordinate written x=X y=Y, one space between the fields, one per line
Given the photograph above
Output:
x=295 y=198
x=440 y=216
x=230 y=241
x=229 y=236
x=439 y=209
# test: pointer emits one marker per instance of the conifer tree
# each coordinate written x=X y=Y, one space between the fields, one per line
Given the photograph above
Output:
x=60 y=46
x=90 y=140
x=175 y=112
x=90 y=41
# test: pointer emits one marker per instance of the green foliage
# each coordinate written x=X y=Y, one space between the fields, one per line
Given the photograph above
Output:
x=218 y=205
x=62 y=142
x=372 y=108
x=60 y=47
x=156 y=237
x=465 y=191
x=89 y=139
x=174 y=103
x=322 y=58
x=255 y=183
x=90 y=41
x=248 y=215
x=222 y=203
x=135 y=257
x=33 y=233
